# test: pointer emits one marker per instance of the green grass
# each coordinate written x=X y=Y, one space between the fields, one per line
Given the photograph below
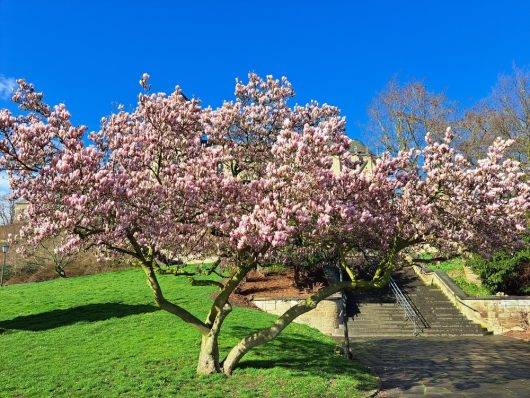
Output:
x=101 y=336
x=455 y=270
x=471 y=289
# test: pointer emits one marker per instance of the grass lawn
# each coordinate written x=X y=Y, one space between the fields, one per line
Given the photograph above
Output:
x=455 y=270
x=102 y=336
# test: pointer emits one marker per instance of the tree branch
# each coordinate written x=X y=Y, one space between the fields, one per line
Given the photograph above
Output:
x=225 y=293
x=269 y=333
x=162 y=302
x=168 y=306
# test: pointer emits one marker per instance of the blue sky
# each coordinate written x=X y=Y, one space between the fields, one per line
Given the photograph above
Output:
x=90 y=54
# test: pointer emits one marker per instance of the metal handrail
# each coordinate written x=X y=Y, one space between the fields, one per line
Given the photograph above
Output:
x=405 y=304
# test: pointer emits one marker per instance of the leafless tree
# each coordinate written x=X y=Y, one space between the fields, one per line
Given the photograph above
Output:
x=402 y=114
x=475 y=133
x=45 y=255
x=504 y=113
x=7 y=210
x=511 y=100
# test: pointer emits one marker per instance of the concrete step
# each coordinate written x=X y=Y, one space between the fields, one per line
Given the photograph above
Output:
x=399 y=318
x=399 y=312
x=375 y=313
x=431 y=317
x=379 y=335
x=383 y=321
x=370 y=325
x=409 y=333
x=394 y=308
x=429 y=331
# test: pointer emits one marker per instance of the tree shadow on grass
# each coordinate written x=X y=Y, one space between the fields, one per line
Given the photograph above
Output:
x=301 y=354
x=85 y=313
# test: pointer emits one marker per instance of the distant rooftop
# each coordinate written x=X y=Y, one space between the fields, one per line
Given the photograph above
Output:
x=358 y=148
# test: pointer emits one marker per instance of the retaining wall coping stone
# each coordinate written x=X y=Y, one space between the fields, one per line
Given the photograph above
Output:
x=335 y=296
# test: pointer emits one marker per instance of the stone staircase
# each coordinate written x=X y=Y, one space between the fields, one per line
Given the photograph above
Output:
x=376 y=314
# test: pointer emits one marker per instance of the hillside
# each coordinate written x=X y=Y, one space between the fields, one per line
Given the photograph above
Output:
x=40 y=262
x=101 y=336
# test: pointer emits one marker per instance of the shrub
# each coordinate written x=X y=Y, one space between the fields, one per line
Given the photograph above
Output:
x=504 y=272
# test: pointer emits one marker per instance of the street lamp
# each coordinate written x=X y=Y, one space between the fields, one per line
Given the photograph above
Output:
x=5 y=249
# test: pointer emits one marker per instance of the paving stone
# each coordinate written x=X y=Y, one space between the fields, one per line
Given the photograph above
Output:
x=487 y=366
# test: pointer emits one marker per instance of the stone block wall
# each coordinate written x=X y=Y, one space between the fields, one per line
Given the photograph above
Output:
x=499 y=314
x=325 y=317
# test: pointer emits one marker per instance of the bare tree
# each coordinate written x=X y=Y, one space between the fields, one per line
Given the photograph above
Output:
x=504 y=113
x=7 y=210
x=45 y=255
x=511 y=100
x=402 y=114
x=475 y=133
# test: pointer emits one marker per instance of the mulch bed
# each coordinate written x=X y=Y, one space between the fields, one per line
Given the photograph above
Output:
x=259 y=285
x=519 y=334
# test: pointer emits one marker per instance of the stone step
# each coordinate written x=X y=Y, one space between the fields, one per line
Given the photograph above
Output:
x=360 y=335
x=375 y=313
x=434 y=305
x=383 y=320
x=477 y=331
x=380 y=322
x=388 y=331
x=400 y=312
x=378 y=308
x=422 y=297
x=397 y=317
x=418 y=304
x=428 y=327
x=423 y=314
x=448 y=321
x=410 y=334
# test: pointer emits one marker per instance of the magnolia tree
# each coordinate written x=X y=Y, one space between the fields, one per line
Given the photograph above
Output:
x=262 y=190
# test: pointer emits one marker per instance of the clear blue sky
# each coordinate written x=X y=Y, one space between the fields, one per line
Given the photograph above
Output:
x=90 y=54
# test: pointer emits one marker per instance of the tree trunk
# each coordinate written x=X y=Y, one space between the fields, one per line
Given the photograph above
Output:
x=60 y=271
x=245 y=345
x=208 y=362
x=209 y=355
x=267 y=334
x=296 y=271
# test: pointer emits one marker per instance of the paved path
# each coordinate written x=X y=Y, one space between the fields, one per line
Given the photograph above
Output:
x=485 y=367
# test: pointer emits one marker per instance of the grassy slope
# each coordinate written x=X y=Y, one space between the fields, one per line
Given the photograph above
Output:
x=100 y=336
x=455 y=270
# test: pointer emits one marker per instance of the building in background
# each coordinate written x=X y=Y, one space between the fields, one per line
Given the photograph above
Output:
x=360 y=153
x=20 y=205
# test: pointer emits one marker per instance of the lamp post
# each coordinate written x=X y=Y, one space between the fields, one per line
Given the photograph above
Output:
x=5 y=249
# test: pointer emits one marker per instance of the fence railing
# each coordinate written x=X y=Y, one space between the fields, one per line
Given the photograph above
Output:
x=404 y=303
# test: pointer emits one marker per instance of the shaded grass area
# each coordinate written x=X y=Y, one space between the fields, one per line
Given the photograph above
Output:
x=101 y=336
x=455 y=270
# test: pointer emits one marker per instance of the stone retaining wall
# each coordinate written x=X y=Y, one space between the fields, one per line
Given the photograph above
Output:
x=325 y=317
x=499 y=314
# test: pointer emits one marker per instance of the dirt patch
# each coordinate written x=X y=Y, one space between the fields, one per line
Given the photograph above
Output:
x=519 y=334
x=282 y=285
